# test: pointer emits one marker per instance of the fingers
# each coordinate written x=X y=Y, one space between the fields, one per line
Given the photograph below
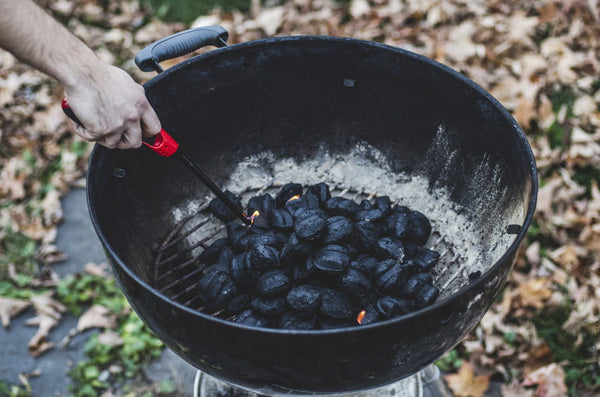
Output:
x=150 y=123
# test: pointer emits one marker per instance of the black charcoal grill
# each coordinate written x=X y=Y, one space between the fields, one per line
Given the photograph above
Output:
x=366 y=118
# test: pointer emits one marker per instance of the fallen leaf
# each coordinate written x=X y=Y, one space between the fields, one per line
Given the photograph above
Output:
x=537 y=357
x=96 y=316
x=550 y=381
x=533 y=293
x=39 y=343
x=10 y=308
x=466 y=384
x=96 y=270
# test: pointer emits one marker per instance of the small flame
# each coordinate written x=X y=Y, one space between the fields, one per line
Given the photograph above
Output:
x=254 y=215
x=296 y=197
x=361 y=316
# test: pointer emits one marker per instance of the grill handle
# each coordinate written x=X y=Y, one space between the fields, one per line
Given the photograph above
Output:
x=178 y=44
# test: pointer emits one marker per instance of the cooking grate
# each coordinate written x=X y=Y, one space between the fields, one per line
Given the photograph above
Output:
x=176 y=271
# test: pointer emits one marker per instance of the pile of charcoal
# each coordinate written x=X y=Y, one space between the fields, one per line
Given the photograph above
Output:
x=312 y=261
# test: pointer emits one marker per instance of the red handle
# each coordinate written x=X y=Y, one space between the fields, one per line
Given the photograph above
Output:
x=163 y=144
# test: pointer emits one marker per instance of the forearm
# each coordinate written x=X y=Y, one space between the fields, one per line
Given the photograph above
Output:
x=34 y=37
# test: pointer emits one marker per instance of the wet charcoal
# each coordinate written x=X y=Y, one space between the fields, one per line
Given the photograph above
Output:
x=272 y=283
x=425 y=258
x=304 y=299
x=321 y=192
x=309 y=225
x=390 y=307
x=294 y=250
x=474 y=275
x=221 y=210
x=290 y=320
x=398 y=225
x=413 y=286
x=269 y=307
x=338 y=229
x=420 y=228
x=341 y=206
x=216 y=290
x=238 y=304
x=391 y=276
x=211 y=253
x=281 y=219
x=371 y=316
x=365 y=205
x=384 y=204
x=286 y=192
x=251 y=318
x=354 y=282
x=365 y=235
x=389 y=248
x=241 y=271
x=332 y=258
x=374 y=215
x=263 y=204
x=304 y=269
x=365 y=264
x=336 y=305
x=427 y=295
x=264 y=257
x=235 y=232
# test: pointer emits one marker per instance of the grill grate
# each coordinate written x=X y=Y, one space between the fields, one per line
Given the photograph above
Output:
x=176 y=271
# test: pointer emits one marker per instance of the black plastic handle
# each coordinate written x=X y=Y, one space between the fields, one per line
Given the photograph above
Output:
x=179 y=44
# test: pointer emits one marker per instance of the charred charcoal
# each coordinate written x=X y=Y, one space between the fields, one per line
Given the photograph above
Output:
x=216 y=290
x=295 y=250
x=266 y=238
x=414 y=285
x=294 y=204
x=338 y=229
x=226 y=256
x=272 y=283
x=474 y=275
x=391 y=276
x=354 y=282
x=365 y=205
x=341 y=206
x=311 y=200
x=221 y=210
x=401 y=209
x=335 y=304
x=211 y=253
x=304 y=269
x=398 y=225
x=410 y=249
x=389 y=248
x=425 y=258
x=241 y=270
x=269 y=307
x=390 y=307
x=238 y=304
x=235 y=232
x=309 y=225
x=286 y=192
x=374 y=215
x=332 y=258
x=420 y=228
x=304 y=299
x=290 y=320
x=321 y=192
x=371 y=315
x=365 y=264
x=281 y=219
x=264 y=257
x=260 y=222
x=351 y=250
x=427 y=295
x=263 y=204
x=365 y=235
x=251 y=318
x=384 y=204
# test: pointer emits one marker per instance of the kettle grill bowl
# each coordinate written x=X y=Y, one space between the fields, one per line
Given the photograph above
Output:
x=295 y=97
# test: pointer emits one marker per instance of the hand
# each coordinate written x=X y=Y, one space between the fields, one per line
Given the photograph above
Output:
x=112 y=108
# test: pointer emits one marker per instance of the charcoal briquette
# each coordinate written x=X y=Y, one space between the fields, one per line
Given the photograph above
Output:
x=389 y=248
x=336 y=304
x=260 y=222
x=373 y=215
x=294 y=205
x=290 y=320
x=365 y=264
x=425 y=258
x=365 y=235
x=304 y=269
x=399 y=225
x=221 y=210
x=401 y=209
x=354 y=282
x=249 y=317
x=294 y=250
x=311 y=200
x=241 y=270
x=427 y=295
x=266 y=238
x=420 y=228
x=304 y=299
x=384 y=204
x=332 y=258
x=217 y=267
x=235 y=232
x=286 y=192
x=321 y=192
x=211 y=253
x=272 y=283
x=371 y=315
x=269 y=306
x=391 y=276
x=338 y=229
x=413 y=286
x=216 y=290
x=341 y=206
x=390 y=307
x=309 y=225
x=226 y=256
x=410 y=249
x=263 y=204
x=281 y=219
x=264 y=257
x=365 y=205
x=238 y=304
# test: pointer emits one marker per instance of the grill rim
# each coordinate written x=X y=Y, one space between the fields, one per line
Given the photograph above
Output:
x=477 y=284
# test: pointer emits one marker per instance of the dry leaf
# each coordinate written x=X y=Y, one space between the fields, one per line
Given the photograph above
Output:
x=10 y=308
x=537 y=357
x=38 y=343
x=550 y=381
x=533 y=293
x=96 y=316
x=466 y=384
x=96 y=270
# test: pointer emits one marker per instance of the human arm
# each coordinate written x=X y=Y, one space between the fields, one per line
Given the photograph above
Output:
x=111 y=106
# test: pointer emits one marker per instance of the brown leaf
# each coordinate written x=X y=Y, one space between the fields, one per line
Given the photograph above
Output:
x=537 y=357
x=96 y=270
x=550 y=381
x=466 y=384
x=9 y=308
x=38 y=343
x=533 y=293
x=96 y=316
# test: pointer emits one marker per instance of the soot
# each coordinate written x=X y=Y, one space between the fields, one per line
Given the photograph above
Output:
x=313 y=261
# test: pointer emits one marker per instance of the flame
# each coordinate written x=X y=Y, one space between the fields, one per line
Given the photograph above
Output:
x=254 y=215
x=360 y=316
x=296 y=197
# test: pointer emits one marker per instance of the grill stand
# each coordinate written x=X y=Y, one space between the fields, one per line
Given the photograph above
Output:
x=426 y=383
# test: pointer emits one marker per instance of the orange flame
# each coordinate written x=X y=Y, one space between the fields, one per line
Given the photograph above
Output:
x=361 y=316
x=254 y=215
x=296 y=197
